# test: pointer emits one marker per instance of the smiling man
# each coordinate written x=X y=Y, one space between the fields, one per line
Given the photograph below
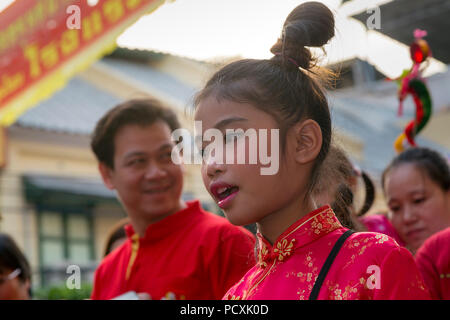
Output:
x=175 y=249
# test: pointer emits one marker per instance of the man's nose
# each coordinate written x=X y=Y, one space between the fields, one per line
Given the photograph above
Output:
x=154 y=171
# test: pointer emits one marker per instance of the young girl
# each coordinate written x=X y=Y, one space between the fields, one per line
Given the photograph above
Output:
x=295 y=234
x=417 y=189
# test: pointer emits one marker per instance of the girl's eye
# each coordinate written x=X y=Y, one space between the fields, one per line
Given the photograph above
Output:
x=418 y=200
x=229 y=137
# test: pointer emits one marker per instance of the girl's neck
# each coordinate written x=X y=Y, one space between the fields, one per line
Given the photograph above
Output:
x=275 y=223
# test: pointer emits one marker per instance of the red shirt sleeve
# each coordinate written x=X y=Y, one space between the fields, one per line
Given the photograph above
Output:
x=96 y=290
x=425 y=263
x=233 y=258
x=400 y=278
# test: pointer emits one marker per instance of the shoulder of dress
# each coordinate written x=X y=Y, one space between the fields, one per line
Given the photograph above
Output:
x=372 y=240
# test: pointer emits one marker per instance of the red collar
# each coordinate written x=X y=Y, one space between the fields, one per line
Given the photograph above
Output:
x=314 y=225
x=169 y=225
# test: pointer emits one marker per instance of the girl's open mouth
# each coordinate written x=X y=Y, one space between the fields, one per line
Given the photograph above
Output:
x=224 y=193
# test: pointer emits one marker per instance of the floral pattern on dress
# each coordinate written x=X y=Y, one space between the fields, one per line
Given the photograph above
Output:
x=284 y=249
x=289 y=268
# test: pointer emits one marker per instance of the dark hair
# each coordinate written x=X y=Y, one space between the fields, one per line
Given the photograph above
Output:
x=11 y=257
x=286 y=86
x=142 y=112
x=426 y=160
x=338 y=169
x=370 y=194
x=117 y=232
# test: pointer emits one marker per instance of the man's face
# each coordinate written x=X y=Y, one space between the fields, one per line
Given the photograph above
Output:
x=148 y=183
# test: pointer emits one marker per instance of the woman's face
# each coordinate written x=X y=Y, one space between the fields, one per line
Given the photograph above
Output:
x=13 y=288
x=418 y=206
x=244 y=193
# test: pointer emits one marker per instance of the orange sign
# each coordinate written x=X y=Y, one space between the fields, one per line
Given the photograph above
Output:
x=43 y=43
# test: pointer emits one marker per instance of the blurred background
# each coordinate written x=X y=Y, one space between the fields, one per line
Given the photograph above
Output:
x=52 y=200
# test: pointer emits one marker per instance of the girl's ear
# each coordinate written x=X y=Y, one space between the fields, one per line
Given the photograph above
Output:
x=308 y=139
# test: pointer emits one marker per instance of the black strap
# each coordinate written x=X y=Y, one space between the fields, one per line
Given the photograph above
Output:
x=326 y=266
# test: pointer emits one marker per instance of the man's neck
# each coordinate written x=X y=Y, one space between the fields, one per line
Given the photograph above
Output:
x=140 y=225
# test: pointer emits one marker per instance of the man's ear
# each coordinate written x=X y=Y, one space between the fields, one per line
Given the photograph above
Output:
x=308 y=141
x=106 y=173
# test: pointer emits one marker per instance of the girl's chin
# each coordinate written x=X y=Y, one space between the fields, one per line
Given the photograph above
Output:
x=237 y=218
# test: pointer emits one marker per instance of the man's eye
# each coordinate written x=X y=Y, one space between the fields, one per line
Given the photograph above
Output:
x=136 y=162
x=166 y=156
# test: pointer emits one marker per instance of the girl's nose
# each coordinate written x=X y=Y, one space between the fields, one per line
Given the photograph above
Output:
x=213 y=166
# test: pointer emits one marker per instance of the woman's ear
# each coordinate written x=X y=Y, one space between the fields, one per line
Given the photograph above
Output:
x=308 y=141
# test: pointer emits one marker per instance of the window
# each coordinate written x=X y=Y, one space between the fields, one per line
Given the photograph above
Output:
x=65 y=237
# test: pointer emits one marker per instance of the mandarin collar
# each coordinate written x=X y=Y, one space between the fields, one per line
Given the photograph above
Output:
x=167 y=226
x=314 y=225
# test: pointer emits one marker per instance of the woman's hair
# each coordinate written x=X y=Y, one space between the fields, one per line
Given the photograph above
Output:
x=287 y=86
x=335 y=181
x=426 y=160
x=117 y=232
x=11 y=258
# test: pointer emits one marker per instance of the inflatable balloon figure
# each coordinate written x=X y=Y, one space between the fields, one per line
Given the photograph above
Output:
x=411 y=82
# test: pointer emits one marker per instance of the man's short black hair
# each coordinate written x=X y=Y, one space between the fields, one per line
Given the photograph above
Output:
x=142 y=112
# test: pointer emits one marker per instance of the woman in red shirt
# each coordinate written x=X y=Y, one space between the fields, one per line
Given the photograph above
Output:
x=417 y=189
x=433 y=261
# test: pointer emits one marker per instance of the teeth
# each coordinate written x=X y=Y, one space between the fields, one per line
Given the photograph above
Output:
x=221 y=190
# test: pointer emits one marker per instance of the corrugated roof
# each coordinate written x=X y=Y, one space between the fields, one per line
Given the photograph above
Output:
x=378 y=129
x=75 y=109
x=400 y=18
x=151 y=80
x=79 y=105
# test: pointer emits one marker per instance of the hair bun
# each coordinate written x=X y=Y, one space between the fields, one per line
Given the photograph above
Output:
x=310 y=24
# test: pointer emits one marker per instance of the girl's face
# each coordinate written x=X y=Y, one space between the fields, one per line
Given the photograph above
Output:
x=244 y=194
x=418 y=206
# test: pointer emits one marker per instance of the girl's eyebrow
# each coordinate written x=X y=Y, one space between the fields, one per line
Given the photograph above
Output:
x=227 y=121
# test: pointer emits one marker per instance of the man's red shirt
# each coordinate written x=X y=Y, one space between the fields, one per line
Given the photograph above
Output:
x=191 y=254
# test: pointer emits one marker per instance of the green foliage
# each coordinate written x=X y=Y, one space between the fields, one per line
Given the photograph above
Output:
x=61 y=292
